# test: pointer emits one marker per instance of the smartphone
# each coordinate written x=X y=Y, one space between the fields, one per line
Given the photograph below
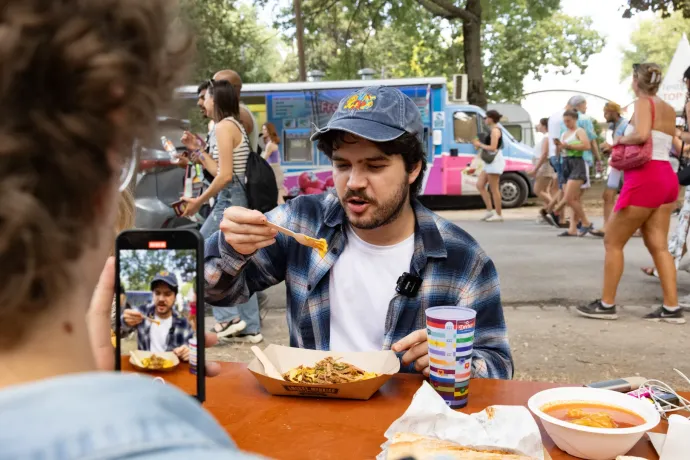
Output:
x=159 y=331
x=179 y=207
x=622 y=385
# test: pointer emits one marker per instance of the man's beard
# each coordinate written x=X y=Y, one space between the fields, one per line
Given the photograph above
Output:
x=167 y=310
x=383 y=214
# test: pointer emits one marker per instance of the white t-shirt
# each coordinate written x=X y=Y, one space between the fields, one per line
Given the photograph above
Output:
x=159 y=334
x=362 y=285
x=555 y=122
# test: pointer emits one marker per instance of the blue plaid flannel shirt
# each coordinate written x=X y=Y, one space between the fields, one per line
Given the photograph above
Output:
x=455 y=271
x=181 y=331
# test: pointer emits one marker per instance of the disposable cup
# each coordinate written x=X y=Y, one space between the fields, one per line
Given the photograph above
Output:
x=451 y=338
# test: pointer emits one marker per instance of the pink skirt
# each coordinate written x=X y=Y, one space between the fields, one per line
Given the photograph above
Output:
x=650 y=186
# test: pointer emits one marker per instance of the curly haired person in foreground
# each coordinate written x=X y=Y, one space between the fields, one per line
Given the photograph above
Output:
x=80 y=81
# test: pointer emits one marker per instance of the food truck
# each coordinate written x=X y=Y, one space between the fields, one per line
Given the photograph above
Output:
x=296 y=109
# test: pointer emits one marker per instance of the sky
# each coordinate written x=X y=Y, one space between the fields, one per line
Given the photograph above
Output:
x=602 y=76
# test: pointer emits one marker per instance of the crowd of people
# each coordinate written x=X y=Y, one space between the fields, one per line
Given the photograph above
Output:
x=637 y=202
x=564 y=158
x=232 y=134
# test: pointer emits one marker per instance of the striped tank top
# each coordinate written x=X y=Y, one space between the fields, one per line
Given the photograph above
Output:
x=239 y=154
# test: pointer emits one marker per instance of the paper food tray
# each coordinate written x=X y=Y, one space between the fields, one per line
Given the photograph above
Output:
x=384 y=363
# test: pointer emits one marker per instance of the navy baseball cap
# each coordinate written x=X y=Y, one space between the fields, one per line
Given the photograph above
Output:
x=378 y=114
x=167 y=278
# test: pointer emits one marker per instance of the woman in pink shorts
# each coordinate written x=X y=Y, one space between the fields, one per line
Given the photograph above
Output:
x=646 y=201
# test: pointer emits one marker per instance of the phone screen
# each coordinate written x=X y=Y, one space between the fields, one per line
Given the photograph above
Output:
x=158 y=328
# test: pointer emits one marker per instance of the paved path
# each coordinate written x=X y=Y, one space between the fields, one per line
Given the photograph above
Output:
x=536 y=266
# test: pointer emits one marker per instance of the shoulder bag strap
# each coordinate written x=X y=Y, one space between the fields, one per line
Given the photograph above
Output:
x=651 y=101
x=244 y=133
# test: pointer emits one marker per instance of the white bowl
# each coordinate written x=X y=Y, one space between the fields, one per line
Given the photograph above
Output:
x=593 y=443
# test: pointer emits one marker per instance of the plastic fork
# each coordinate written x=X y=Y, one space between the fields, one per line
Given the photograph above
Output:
x=320 y=245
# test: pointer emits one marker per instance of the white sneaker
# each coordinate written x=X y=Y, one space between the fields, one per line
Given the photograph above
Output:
x=684 y=302
x=495 y=218
x=250 y=338
x=233 y=328
x=488 y=215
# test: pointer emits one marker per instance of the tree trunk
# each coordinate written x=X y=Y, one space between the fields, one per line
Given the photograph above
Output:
x=299 y=25
x=472 y=46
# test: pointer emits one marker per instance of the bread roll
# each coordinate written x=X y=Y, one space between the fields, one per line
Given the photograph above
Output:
x=426 y=448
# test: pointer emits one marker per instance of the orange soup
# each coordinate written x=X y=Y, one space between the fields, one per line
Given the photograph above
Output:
x=594 y=415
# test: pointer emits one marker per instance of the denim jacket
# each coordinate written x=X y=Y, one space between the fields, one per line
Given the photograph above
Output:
x=106 y=415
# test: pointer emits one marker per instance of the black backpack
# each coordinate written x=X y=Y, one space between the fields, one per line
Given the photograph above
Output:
x=259 y=180
x=260 y=183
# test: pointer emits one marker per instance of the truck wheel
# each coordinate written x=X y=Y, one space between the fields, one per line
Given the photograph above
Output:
x=514 y=190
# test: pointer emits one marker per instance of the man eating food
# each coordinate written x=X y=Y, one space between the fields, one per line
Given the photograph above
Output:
x=159 y=326
x=389 y=257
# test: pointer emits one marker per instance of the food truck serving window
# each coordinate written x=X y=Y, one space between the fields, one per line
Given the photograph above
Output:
x=465 y=127
x=297 y=146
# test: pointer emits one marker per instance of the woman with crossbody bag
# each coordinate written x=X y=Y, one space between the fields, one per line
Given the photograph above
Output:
x=492 y=154
x=677 y=243
x=648 y=198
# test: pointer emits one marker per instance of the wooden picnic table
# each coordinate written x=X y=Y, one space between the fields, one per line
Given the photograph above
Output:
x=286 y=428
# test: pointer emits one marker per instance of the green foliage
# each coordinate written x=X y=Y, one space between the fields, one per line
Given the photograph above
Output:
x=665 y=7
x=655 y=40
x=138 y=267
x=341 y=37
x=396 y=38
x=230 y=36
x=519 y=46
x=535 y=9
x=401 y=38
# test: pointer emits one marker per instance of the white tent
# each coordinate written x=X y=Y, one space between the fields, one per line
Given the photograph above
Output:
x=673 y=90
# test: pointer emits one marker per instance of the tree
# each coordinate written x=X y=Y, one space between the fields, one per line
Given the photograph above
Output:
x=342 y=37
x=520 y=46
x=655 y=40
x=401 y=38
x=665 y=7
x=138 y=267
x=472 y=16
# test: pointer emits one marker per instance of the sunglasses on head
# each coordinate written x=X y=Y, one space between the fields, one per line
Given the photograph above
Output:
x=636 y=67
